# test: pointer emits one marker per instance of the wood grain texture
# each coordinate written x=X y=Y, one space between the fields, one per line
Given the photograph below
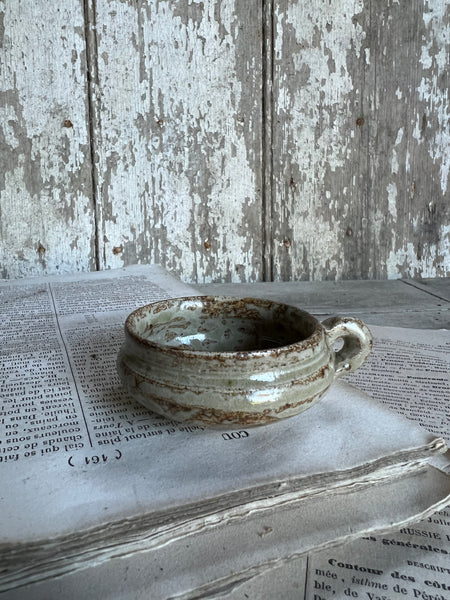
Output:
x=361 y=139
x=231 y=141
x=46 y=208
x=399 y=303
x=178 y=136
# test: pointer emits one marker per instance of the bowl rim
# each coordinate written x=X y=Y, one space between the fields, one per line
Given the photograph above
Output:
x=312 y=340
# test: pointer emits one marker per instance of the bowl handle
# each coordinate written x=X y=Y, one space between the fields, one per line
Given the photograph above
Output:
x=357 y=342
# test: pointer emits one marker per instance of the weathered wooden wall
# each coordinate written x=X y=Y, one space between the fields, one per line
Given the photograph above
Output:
x=227 y=140
x=47 y=221
x=178 y=119
x=361 y=139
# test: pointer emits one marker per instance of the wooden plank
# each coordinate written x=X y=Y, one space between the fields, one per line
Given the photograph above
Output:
x=375 y=302
x=332 y=295
x=178 y=136
x=437 y=288
x=46 y=209
x=361 y=139
x=409 y=134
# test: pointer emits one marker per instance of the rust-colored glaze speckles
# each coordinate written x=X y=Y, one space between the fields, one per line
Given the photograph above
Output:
x=223 y=361
x=137 y=378
x=293 y=405
x=313 y=377
x=213 y=416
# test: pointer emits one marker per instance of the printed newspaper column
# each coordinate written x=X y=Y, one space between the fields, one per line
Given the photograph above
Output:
x=40 y=412
x=413 y=563
x=412 y=376
x=410 y=373
x=92 y=325
x=59 y=389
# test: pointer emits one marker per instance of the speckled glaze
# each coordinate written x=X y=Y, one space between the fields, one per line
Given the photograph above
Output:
x=221 y=361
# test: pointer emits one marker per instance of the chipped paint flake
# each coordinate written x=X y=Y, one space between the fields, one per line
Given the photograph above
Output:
x=392 y=200
x=406 y=263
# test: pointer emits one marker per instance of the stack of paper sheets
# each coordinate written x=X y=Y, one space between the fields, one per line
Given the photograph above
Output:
x=89 y=476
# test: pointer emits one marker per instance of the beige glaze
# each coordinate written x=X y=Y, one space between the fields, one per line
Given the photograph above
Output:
x=222 y=361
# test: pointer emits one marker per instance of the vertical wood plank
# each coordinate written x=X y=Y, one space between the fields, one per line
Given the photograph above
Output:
x=410 y=145
x=361 y=139
x=46 y=209
x=317 y=56
x=178 y=133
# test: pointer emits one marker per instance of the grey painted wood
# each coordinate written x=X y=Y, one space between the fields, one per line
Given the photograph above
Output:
x=361 y=139
x=231 y=141
x=440 y=288
x=178 y=136
x=397 y=303
x=46 y=207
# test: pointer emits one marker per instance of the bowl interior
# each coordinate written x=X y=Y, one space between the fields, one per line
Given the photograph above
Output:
x=215 y=324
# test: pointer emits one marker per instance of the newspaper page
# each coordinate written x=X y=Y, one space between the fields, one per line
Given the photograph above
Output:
x=65 y=425
x=409 y=370
x=63 y=409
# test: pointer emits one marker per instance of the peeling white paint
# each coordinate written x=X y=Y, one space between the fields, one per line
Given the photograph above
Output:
x=407 y=162
x=394 y=162
x=392 y=200
x=405 y=262
x=177 y=134
x=434 y=58
x=394 y=155
x=313 y=43
x=324 y=37
x=198 y=172
x=45 y=197
x=416 y=131
x=398 y=139
x=8 y=118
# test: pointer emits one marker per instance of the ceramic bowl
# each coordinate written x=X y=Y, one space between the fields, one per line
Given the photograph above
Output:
x=221 y=361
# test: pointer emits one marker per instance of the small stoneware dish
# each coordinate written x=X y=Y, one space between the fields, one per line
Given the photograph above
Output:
x=220 y=361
